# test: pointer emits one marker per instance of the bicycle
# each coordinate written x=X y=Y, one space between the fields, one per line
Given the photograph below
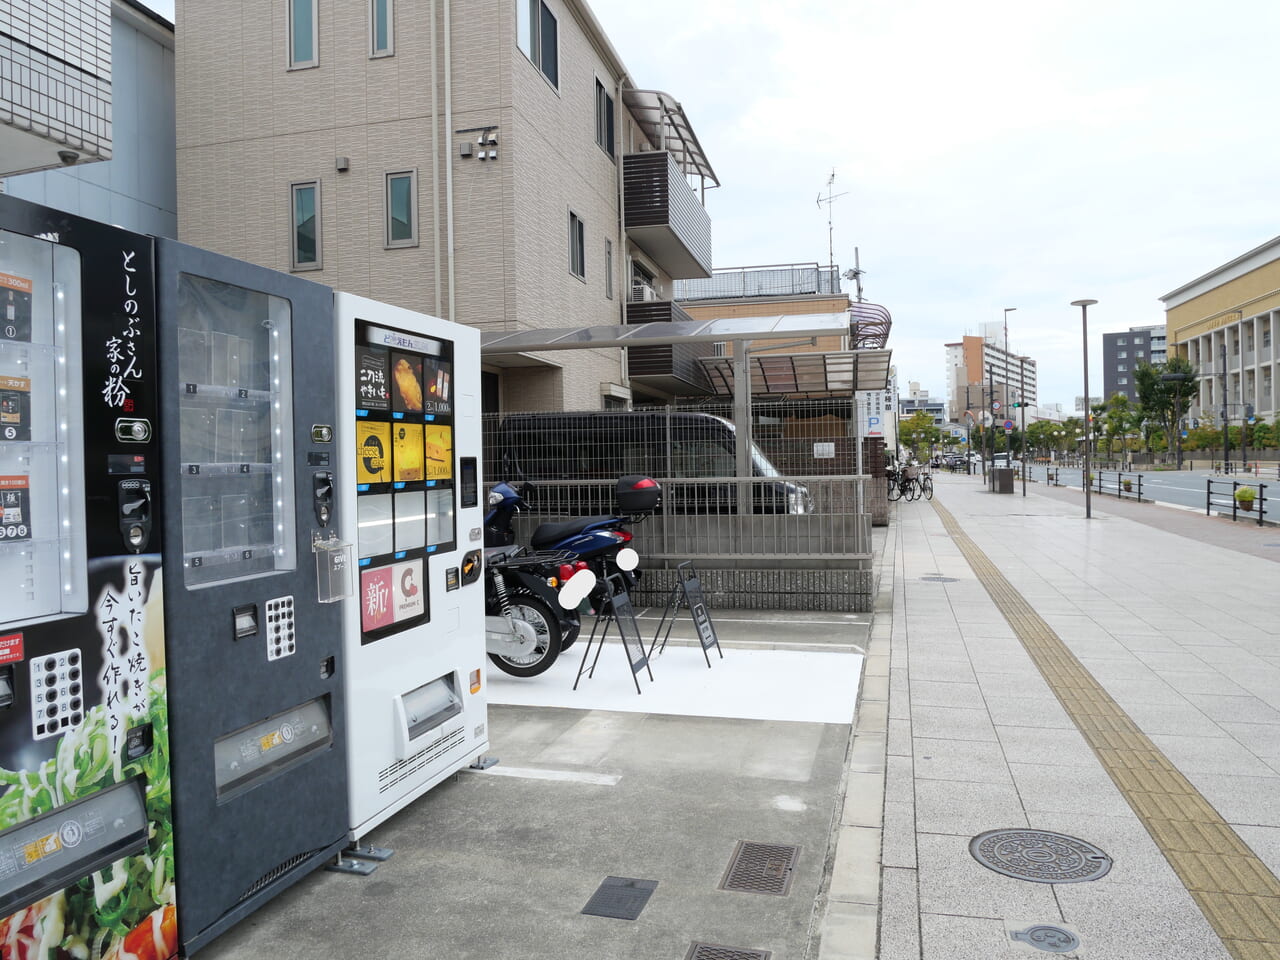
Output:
x=926 y=486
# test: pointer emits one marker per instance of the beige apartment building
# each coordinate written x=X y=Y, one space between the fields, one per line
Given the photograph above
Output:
x=490 y=162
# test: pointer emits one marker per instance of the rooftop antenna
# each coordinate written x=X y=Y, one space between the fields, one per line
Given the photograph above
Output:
x=829 y=200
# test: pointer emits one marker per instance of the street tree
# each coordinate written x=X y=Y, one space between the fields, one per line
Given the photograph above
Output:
x=919 y=433
x=1165 y=402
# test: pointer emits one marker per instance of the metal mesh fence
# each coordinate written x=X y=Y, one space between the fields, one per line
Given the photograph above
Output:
x=801 y=502
x=774 y=280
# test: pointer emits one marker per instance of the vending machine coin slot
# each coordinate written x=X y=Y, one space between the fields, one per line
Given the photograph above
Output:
x=322 y=496
x=472 y=566
x=245 y=618
x=133 y=430
x=134 y=498
x=469 y=481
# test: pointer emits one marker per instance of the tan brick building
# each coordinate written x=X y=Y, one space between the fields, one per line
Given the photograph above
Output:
x=1233 y=309
x=463 y=159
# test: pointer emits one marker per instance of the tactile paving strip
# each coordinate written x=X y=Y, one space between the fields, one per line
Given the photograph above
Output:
x=1238 y=895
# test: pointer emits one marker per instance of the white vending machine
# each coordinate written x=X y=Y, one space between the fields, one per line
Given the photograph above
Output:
x=414 y=637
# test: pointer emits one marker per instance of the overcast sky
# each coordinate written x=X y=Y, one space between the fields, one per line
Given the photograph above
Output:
x=992 y=154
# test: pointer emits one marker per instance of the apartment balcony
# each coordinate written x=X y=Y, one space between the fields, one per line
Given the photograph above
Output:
x=55 y=110
x=664 y=217
x=671 y=368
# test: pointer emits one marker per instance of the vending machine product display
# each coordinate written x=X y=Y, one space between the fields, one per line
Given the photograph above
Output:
x=409 y=424
x=86 y=826
x=254 y=573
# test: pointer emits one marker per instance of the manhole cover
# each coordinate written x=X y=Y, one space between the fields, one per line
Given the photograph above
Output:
x=1047 y=937
x=940 y=579
x=717 y=951
x=620 y=897
x=760 y=868
x=1040 y=856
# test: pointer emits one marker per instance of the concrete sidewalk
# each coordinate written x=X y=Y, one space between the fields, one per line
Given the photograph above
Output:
x=1108 y=680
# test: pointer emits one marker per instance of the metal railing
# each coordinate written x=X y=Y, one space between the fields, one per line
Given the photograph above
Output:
x=1218 y=494
x=1121 y=484
x=698 y=519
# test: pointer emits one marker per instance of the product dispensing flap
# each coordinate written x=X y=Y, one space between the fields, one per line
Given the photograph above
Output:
x=249 y=755
x=423 y=709
x=53 y=851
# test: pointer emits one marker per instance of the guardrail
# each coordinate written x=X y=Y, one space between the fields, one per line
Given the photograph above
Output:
x=1217 y=494
x=1123 y=485
x=698 y=519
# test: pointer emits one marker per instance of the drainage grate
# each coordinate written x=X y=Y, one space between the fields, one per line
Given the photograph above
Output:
x=620 y=897
x=1047 y=937
x=760 y=868
x=718 y=951
x=1040 y=856
x=940 y=579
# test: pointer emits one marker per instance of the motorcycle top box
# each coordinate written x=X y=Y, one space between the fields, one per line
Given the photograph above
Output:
x=637 y=493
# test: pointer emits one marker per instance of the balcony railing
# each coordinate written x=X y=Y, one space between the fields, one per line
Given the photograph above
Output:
x=664 y=217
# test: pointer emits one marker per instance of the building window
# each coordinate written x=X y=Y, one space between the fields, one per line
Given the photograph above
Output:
x=604 y=118
x=381 y=38
x=537 y=34
x=1137 y=341
x=1123 y=381
x=302 y=34
x=1139 y=354
x=305 y=225
x=1122 y=341
x=402 y=206
x=1266 y=337
x=577 y=248
x=608 y=269
x=1122 y=367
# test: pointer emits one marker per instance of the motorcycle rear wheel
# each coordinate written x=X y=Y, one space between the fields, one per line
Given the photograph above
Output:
x=545 y=625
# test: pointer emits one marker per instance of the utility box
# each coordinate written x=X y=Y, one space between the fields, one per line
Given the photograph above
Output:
x=1003 y=479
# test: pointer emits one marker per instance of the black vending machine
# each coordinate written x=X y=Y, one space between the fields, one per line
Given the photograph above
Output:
x=252 y=568
x=86 y=829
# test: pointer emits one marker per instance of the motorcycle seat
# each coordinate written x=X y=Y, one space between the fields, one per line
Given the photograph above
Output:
x=549 y=534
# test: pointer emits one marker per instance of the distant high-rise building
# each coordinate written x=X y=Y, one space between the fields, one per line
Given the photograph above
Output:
x=1122 y=353
x=977 y=367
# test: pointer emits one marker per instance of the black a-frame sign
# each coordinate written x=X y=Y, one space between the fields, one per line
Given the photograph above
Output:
x=689 y=589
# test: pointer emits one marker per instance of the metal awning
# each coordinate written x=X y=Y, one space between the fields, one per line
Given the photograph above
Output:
x=664 y=122
x=497 y=343
x=813 y=374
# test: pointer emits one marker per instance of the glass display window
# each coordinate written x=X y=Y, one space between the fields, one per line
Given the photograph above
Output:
x=236 y=421
x=405 y=475
x=42 y=509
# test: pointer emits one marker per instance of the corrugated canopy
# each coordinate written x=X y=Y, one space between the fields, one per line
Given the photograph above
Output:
x=660 y=334
x=812 y=374
x=664 y=122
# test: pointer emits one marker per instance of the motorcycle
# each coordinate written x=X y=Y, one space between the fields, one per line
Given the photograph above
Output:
x=531 y=600
x=599 y=543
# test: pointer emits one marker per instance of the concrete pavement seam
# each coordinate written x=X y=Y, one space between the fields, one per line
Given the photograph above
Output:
x=1234 y=889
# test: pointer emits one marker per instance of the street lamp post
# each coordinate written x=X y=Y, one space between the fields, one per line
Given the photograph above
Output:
x=1084 y=306
x=991 y=412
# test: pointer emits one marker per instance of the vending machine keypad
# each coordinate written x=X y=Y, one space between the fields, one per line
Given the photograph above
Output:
x=57 y=697
x=280 y=637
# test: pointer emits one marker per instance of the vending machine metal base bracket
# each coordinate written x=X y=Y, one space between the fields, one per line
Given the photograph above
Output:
x=368 y=852
x=484 y=763
x=361 y=868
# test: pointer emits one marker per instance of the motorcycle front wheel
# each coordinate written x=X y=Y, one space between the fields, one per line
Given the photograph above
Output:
x=546 y=627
